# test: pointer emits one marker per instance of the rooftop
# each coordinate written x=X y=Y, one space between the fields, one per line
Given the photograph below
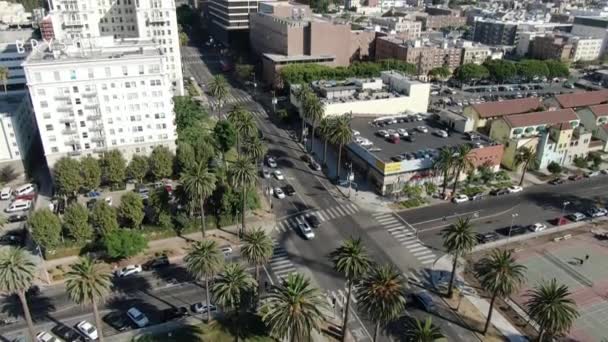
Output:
x=283 y=58
x=541 y=118
x=599 y=110
x=10 y=36
x=507 y=107
x=582 y=99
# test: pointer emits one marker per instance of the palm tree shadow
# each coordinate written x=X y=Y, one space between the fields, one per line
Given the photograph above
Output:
x=40 y=306
x=124 y=303
x=249 y=325
x=397 y=329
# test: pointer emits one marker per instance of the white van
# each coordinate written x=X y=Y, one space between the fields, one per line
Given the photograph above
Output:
x=19 y=205
x=5 y=193
x=25 y=189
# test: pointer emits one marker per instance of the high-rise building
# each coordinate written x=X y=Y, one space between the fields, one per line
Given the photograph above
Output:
x=229 y=19
x=121 y=19
x=11 y=58
x=101 y=94
x=18 y=131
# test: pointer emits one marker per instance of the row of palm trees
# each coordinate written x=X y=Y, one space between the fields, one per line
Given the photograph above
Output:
x=451 y=163
x=549 y=304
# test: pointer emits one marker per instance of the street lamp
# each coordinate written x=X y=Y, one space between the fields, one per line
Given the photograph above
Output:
x=562 y=214
x=513 y=216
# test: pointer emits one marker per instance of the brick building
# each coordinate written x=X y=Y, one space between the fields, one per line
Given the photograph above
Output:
x=424 y=54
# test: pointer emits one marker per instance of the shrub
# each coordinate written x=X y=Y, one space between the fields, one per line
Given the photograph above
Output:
x=580 y=162
x=554 y=168
x=124 y=243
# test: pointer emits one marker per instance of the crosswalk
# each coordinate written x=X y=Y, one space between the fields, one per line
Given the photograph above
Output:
x=323 y=216
x=406 y=237
x=280 y=264
x=231 y=100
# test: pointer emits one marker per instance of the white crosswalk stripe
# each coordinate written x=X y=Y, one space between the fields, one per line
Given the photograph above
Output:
x=338 y=297
x=323 y=216
x=279 y=263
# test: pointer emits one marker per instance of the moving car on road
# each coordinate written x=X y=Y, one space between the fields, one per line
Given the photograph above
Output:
x=461 y=198
x=515 y=189
x=289 y=190
x=202 y=308
x=88 y=330
x=129 y=270
x=425 y=299
x=306 y=230
x=137 y=317
x=313 y=220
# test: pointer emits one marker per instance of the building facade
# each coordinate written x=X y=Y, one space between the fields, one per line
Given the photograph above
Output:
x=437 y=22
x=424 y=54
x=18 y=131
x=495 y=32
x=551 y=47
x=102 y=96
x=230 y=18
x=596 y=27
x=11 y=58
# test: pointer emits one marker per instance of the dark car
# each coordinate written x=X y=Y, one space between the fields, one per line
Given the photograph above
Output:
x=67 y=334
x=12 y=238
x=409 y=138
x=314 y=221
x=91 y=203
x=117 y=320
x=161 y=261
x=306 y=158
x=557 y=181
x=314 y=165
x=575 y=177
x=516 y=230
x=174 y=313
x=289 y=190
x=17 y=218
x=499 y=192
x=487 y=237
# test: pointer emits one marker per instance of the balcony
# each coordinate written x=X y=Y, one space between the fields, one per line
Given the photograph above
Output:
x=72 y=23
x=94 y=117
x=62 y=97
x=96 y=128
x=100 y=149
x=64 y=108
x=98 y=138
x=71 y=142
x=89 y=94
x=68 y=131
x=67 y=119
x=74 y=153
x=91 y=105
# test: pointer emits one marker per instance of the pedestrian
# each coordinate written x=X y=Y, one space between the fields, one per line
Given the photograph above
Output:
x=582 y=261
x=587 y=257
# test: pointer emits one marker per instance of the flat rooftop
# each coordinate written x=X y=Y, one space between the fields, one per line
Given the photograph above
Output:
x=384 y=150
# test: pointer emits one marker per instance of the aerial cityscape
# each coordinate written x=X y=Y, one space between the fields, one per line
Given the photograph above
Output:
x=303 y=170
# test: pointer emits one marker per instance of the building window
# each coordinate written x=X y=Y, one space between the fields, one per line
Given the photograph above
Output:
x=56 y=75
x=41 y=92
x=125 y=71
x=87 y=146
x=82 y=124
x=49 y=127
x=54 y=149
x=77 y=101
x=91 y=74
x=75 y=90
x=72 y=74
x=44 y=104
x=85 y=135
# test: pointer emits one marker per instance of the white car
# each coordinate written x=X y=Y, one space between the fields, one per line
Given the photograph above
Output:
x=271 y=162
x=356 y=133
x=88 y=330
x=460 y=198
x=265 y=173
x=108 y=201
x=278 y=174
x=137 y=317
x=402 y=132
x=279 y=193
x=227 y=250
x=366 y=142
x=129 y=270
x=5 y=193
x=441 y=133
x=422 y=129
x=202 y=308
x=44 y=336
x=538 y=227
x=383 y=133
x=306 y=230
x=515 y=189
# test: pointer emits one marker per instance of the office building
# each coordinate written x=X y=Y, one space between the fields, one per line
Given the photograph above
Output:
x=494 y=32
x=565 y=47
x=11 y=58
x=229 y=20
x=407 y=29
x=596 y=27
x=14 y=14
x=102 y=95
x=423 y=53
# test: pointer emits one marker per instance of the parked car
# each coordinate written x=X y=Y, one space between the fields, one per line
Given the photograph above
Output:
x=461 y=198
x=499 y=192
x=17 y=218
x=88 y=330
x=557 y=181
x=158 y=262
x=313 y=220
x=278 y=174
x=143 y=192
x=306 y=230
x=596 y=212
x=129 y=270
x=5 y=193
x=515 y=189
x=441 y=133
x=279 y=193
x=487 y=237
x=18 y=205
x=289 y=190
x=117 y=320
x=93 y=194
x=27 y=197
x=265 y=173
x=138 y=317
x=515 y=230
x=174 y=313
x=592 y=174
x=226 y=250
x=68 y=334
x=13 y=238
x=44 y=336
x=271 y=162
x=425 y=299
x=575 y=177
x=576 y=217
x=422 y=129
x=537 y=227
x=24 y=189
x=477 y=196
x=202 y=308
x=316 y=166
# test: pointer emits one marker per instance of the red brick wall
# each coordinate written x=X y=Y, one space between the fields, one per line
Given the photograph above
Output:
x=491 y=155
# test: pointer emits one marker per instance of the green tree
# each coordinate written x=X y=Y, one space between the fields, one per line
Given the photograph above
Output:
x=4 y=76
x=526 y=157
x=185 y=156
x=352 y=261
x=199 y=183
x=161 y=162
x=501 y=70
x=557 y=69
x=341 y=135
x=231 y=287
x=530 y=69
x=225 y=137
x=326 y=128
x=219 y=89
x=242 y=175
x=500 y=275
x=430 y=188
x=67 y=176
x=91 y=172
x=461 y=163
x=244 y=71
x=76 y=223
x=89 y=283
x=188 y=113
x=204 y=260
x=458 y=240
x=138 y=168
x=103 y=218
x=131 y=210
x=440 y=73
x=551 y=306
x=257 y=249
x=294 y=309
x=554 y=168
x=313 y=112
x=124 y=243
x=381 y=295
x=183 y=39
x=254 y=148
x=113 y=167
x=243 y=123
x=418 y=331
x=17 y=272
x=46 y=228
x=471 y=73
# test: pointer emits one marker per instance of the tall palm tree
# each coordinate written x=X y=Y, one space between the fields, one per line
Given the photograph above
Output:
x=352 y=261
x=458 y=240
x=301 y=95
x=526 y=156
x=88 y=282
x=461 y=163
x=199 y=182
x=231 y=287
x=4 y=76
x=257 y=249
x=444 y=165
x=203 y=261
x=17 y=271
x=551 y=306
x=500 y=275
x=341 y=135
x=219 y=89
x=294 y=308
x=381 y=295
x=325 y=129
x=242 y=175
x=313 y=111
x=243 y=124
x=254 y=148
x=419 y=331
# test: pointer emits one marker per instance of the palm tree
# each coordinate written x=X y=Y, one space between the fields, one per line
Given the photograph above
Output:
x=458 y=240
x=199 y=182
x=88 y=282
x=500 y=275
x=325 y=129
x=301 y=95
x=219 y=89
x=444 y=164
x=242 y=174
x=381 y=295
x=257 y=249
x=4 y=76
x=254 y=148
x=418 y=331
x=243 y=124
x=352 y=261
x=552 y=307
x=294 y=308
x=313 y=110
x=230 y=288
x=204 y=260
x=461 y=163
x=16 y=276
x=341 y=135
x=526 y=156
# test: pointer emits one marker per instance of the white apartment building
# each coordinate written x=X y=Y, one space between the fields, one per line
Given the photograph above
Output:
x=121 y=19
x=17 y=129
x=586 y=49
x=102 y=95
x=411 y=28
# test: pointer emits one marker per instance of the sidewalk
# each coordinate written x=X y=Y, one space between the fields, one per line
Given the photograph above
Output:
x=440 y=278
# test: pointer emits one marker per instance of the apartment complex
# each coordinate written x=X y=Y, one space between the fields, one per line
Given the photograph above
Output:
x=565 y=47
x=483 y=114
x=407 y=29
x=153 y=20
x=102 y=95
x=494 y=32
x=285 y=33
x=229 y=19
x=18 y=131
x=425 y=54
x=432 y=22
x=596 y=27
